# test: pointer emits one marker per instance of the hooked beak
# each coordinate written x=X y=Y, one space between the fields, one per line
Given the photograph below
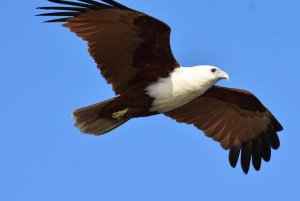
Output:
x=225 y=76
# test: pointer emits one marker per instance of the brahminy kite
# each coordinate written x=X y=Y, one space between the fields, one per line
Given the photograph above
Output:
x=132 y=51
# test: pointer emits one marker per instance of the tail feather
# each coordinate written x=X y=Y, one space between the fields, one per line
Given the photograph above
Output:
x=93 y=120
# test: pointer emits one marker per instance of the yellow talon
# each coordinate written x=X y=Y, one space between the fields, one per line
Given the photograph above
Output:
x=118 y=116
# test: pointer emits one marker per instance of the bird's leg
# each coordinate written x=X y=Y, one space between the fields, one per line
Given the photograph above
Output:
x=119 y=116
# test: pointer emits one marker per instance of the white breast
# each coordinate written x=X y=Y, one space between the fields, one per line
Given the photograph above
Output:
x=182 y=86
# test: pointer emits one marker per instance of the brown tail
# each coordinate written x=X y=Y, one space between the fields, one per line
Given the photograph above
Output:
x=89 y=119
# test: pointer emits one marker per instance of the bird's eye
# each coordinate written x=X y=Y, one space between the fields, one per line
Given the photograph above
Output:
x=213 y=70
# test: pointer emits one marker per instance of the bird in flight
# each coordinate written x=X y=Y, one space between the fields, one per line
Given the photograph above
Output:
x=132 y=51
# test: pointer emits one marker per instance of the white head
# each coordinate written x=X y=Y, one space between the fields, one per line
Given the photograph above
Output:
x=203 y=75
x=196 y=79
x=211 y=73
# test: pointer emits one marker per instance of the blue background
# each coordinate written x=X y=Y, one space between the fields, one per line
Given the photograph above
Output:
x=46 y=73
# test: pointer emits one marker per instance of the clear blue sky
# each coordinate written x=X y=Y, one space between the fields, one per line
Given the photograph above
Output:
x=46 y=73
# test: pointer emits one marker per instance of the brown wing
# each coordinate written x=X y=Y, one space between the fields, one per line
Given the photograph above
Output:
x=236 y=119
x=128 y=46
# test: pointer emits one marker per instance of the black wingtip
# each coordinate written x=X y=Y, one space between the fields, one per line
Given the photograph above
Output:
x=63 y=8
x=74 y=9
x=273 y=137
x=116 y=4
x=71 y=3
x=95 y=3
x=275 y=123
x=39 y=15
x=57 y=20
x=246 y=156
x=257 y=149
x=72 y=14
x=234 y=154
x=256 y=153
x=265 y=147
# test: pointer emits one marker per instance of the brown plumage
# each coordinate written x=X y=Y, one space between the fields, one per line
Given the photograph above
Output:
x=236 y=119
x=140 y=43
x=132 y=51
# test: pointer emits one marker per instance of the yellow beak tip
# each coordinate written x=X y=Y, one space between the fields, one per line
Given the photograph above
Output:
x=226 y=76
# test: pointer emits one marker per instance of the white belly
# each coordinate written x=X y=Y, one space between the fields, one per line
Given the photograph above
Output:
x=181 y=87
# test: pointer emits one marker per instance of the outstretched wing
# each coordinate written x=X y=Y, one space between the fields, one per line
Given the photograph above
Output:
x=128 y=46
x=236 y=119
